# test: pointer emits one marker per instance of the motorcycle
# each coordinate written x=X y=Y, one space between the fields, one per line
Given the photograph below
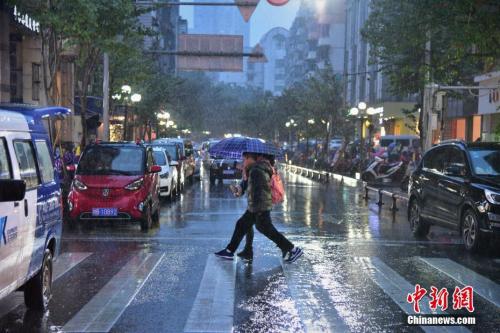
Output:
x=379 y=169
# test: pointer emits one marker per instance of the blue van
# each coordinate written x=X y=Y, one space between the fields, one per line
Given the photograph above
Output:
x=30 y=202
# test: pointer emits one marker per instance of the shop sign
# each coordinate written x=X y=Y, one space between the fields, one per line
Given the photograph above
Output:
x=26 y=21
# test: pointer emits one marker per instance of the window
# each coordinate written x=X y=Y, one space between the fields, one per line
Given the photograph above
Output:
x=434 y=160
x=160 y=158
x=27 y=165
x=5 y=170
x=325 y=30
x=279 y=63
x=151 y=160
x=455 y=157
x=45 y=162
x=110 y=160
x=35 y=82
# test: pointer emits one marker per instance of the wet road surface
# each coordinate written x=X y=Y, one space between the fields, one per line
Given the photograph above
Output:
x=359 y=265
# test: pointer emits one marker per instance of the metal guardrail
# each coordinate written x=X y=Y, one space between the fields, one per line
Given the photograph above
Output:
x=327 y=177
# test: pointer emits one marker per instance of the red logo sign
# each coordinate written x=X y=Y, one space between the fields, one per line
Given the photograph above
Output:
x=463 y=298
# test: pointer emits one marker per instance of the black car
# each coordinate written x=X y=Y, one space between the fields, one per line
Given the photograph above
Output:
x=457 y=186
x=225 y=169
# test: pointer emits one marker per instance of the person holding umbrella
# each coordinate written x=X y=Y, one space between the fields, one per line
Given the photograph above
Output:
x=259 y=171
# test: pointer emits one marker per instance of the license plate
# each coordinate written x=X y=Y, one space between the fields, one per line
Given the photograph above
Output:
x=228 y=172
x=104 y=211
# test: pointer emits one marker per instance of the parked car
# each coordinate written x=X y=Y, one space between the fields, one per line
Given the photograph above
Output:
x=197 y=164
x=403 y=140
x=173 y=151
x=457 y=186
x=30 y=203
x=225 y=169
x=189 y=161
x=117 y=181
x=168 y=174
x=336 y=143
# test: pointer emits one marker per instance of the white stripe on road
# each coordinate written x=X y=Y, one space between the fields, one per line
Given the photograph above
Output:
x=484 y=287
x=397 y=288
x=309 y=299
x=64 y=263
x=105 y=308
x=213 y=308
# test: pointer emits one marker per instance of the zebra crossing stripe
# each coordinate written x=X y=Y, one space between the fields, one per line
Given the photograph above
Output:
x=213 y=308
x=397 y=288
x=484 y=287
x=105 y=308
x=309 y=299
x=67 y=261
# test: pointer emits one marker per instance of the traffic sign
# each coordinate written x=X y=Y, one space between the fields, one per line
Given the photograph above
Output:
x=219 y=53
x=278 y=2
x=246 y=7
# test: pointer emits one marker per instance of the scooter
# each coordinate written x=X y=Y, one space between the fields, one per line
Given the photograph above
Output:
x=378 y=169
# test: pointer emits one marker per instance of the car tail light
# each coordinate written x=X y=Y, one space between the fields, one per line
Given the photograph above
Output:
x=135 y=185
x=79 y=185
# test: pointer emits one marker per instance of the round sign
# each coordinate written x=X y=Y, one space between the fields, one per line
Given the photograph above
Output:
x=278 y=2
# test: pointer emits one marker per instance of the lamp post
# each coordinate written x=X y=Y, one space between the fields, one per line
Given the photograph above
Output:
x=363 y=112
x=127 y=98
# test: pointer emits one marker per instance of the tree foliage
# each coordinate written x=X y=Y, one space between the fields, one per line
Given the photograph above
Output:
x=464 y=38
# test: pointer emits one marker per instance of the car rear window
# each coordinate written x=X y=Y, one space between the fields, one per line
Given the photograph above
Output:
x=107 y=160
x=160 y=158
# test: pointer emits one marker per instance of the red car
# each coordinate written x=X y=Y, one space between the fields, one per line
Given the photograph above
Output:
x=116 y=181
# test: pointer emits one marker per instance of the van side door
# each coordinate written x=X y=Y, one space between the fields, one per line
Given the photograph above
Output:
x=30 y=258
x=10 y=218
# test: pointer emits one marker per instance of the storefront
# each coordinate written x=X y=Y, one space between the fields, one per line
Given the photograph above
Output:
x=397 y=118
x=489 y=105
x=460 y=119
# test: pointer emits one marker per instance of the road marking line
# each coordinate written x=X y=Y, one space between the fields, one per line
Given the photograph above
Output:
x=66 y=261
x=315 y=317
x=105 y=308
x=213 y=308
x=484 y=287
x=397 y=288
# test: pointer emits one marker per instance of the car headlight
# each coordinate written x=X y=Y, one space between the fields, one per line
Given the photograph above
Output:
x=79 y=185
x=135 y=185
x=165 y=175
x=492 y=197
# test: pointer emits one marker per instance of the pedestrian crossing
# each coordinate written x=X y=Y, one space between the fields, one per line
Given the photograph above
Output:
x=317 y=292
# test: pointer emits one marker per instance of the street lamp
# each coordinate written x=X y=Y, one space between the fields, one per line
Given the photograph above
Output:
x=310 y=121
x=126 y=98
x=362 y=106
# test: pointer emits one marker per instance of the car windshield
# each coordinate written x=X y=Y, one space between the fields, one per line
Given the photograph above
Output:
x=171 y=150
x=160 y=158
x=486 y=161
x=105 y=160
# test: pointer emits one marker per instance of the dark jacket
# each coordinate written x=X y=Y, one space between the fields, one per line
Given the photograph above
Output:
x=259 y=189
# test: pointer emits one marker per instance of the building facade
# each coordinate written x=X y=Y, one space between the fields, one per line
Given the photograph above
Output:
x=364 y=81
x=316 y=40
x=489 y=105
x=270 y=75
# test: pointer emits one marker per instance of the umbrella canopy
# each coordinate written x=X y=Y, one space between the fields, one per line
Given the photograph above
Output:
x=235 y=147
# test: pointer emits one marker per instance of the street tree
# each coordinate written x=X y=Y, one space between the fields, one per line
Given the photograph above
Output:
x=445 y=41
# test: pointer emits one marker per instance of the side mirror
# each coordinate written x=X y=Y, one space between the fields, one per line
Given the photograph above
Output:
x=71 y=168
x=155 y=169
x=12 y=190
x=174 y=163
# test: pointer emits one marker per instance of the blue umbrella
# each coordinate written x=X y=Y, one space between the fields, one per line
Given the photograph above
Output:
x=235 y=147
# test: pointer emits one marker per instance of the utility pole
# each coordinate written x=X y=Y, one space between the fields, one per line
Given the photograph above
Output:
x=105 y=100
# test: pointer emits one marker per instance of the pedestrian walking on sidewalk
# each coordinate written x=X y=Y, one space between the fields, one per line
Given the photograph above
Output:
x=258 y=212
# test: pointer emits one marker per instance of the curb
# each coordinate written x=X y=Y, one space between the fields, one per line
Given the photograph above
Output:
x=326 y=177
